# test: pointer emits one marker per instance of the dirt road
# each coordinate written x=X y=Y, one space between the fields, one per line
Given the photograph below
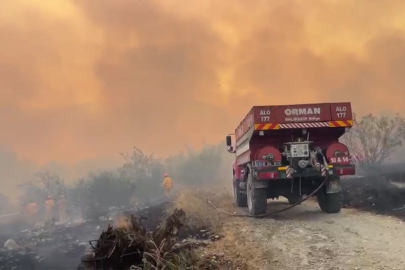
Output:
x=306 y=238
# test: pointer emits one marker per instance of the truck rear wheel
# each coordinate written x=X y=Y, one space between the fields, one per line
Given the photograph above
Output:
x=240 y=198
x=329 y=203
x=256 y=198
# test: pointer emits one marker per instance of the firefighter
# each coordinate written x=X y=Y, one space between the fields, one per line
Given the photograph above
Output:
x=167 y=184
x=62 y=208
x=32 y=211
x=49 y=205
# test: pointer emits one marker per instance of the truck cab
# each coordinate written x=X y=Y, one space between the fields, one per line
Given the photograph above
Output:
x=289 y=151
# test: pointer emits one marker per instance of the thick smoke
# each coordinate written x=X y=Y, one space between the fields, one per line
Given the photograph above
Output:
x=85 y=79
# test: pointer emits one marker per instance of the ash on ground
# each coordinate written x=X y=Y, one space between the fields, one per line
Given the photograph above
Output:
x=381 y=194
x=62 y=246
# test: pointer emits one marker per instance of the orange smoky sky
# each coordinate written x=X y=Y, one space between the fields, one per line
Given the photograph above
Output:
x=85 y=79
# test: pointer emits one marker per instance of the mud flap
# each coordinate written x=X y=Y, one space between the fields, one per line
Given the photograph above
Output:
x=333 y=185
x=261 y=184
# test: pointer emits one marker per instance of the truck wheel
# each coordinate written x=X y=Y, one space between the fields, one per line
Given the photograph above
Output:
x=256 y=198
x=329 y=203
x=294 y=198
x=240 y=198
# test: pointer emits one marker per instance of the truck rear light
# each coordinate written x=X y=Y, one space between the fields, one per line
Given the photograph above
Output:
x=268 y=175
x=345 y=170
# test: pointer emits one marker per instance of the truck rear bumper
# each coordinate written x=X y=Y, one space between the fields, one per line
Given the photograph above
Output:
x=344 y=170
x=274 y=173
x=281 y=173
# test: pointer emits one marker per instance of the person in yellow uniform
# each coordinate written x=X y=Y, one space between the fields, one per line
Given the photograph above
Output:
x=167 y=184
x=32 y=210
x=49 y=205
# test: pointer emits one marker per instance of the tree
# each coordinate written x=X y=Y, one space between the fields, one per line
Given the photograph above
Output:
x=53 y=184
x=197 y=168
x=45 y=184
x=145 y=172
x=373 y=139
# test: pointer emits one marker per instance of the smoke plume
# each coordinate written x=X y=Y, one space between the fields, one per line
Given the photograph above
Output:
x=85 y=79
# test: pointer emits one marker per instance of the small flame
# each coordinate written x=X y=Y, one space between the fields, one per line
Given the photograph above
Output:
x=122 y=222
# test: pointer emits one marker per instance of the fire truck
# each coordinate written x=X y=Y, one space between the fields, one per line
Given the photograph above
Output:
x=290 y=151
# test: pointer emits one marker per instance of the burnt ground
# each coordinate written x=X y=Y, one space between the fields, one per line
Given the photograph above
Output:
x=62 y=247
x=376 y=194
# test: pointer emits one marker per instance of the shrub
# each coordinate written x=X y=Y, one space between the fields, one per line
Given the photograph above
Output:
x=43 y=185
x=99 y=191
x=373 y=139
x=139 y=177
x=146 y=174
x=197 y=168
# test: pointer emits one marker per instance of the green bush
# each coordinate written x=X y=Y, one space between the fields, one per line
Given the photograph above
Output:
x=145 y=172
x=140 y=177
x=200 y=168
x=94 y=195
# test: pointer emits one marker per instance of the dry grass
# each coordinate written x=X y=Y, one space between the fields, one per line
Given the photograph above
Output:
x=201 y=214
x=239 y=247
x=235 y=244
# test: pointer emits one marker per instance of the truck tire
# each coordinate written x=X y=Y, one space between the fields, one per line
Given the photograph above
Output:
x=329 y=203
x=256 y=198
x=240 y=198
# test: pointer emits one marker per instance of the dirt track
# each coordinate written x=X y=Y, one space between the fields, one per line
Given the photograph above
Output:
x=306 y=238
